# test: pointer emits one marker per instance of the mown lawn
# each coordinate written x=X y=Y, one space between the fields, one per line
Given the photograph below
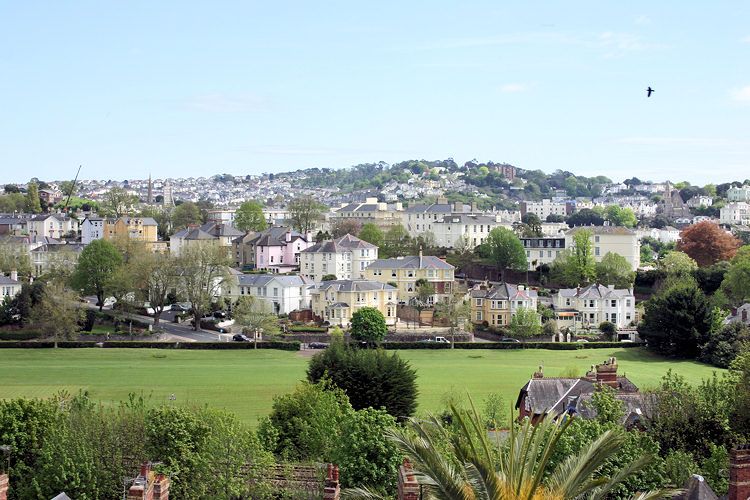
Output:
x=245 y=382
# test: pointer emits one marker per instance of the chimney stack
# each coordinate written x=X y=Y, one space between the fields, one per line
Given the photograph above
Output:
x=739 y=473
x=148 y=486
x=408 y=486
x=14 y=275
x=606 y=373
x=332 y=490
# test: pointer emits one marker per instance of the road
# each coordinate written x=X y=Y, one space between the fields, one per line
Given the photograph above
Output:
x=172 y=332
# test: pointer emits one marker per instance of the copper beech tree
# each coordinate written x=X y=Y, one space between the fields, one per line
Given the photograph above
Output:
x=707 y=243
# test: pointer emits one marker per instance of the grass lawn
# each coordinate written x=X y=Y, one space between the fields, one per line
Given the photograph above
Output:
x=245 y=382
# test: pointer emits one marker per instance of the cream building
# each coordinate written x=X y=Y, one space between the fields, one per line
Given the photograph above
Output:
x=452 y=229
x=741 y=193
x=737 y=213
x=346 y=258
x=336 y=301
x=404 y=272
x=498 y=304
x=615 y=239
x=381 y=214
x=546 y=207
x=51 y=226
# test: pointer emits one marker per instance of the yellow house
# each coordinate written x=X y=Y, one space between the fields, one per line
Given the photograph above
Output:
x=404 y=272
x=336 y=301
x=496 y=305
x=135 y=228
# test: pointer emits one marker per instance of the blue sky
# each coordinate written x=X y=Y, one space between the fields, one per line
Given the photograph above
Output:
x=197 y=88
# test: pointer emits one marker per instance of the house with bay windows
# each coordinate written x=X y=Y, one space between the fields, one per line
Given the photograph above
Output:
x=590 y=306
x=336 y=301
x=495 y=305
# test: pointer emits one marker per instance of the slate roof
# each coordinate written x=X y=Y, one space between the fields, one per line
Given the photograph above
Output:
x=59 y=247
x=595 y=291
x=4 y=280
x=354 y=286
x=467 y=219
x=221 y=229
x=275 y=237
x=503 y=291
x=145 y=221
x=264 y=279
x=440 y=208
x=344 y=244
x=193 y=233
x=617 y=230
x=411 y=262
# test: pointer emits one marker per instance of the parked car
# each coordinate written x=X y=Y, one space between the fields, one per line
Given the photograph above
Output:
x=508 y=339
x=220 y=315
x=442 y=340
x=317 y=345
x=241 y=337
x=581 y=340
x=181 y=307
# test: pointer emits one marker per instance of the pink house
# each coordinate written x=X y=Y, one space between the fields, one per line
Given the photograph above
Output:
x=277 y=249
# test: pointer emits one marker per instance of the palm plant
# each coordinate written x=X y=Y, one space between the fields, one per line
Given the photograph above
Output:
x=463 y=462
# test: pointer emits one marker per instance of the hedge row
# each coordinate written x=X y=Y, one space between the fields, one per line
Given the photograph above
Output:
x=310 y=329
x=19 y=335
x=283 y=346
x=553 y=346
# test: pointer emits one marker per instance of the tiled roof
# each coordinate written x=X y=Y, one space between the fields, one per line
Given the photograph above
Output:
x=595 y=291
x=275 y=236
x=411 y=262
x=617 y=230
x=4 y=280
x=354 y=286
x=504 y=291
x=264 y=279
x=221 y=229
x=344 y=244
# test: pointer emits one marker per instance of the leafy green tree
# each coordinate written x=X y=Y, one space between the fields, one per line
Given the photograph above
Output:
x=185 y=214
x=506 y=250
x=305 y=213
x=155 y=276
x=118 y=202
x=456 y=310
x=396 y=242
x=736 y=284
x=96 y=264
x=250 y=217
x=585 y=217
x=13 y=202
x=677 y=320
x=341 y=227
x=14 y=257
x=304 y=424
x=372 y=234
x=255 y=314
x=725 y=344
x=59 y=314
x=525 y=323
x=576 y=266
x=608 y=329
x=368 y=325
x=33 y=203
x=203 y=271
x=370 y=378
x=532 y=225
x=614 y=269
x=677 y=264
x=621 y=216
x=366 y=456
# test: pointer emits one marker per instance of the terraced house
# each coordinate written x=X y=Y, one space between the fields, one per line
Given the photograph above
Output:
x=346 y=258
x=495 y=305
x=336 y=301
x=404 y=272
x=590 y=306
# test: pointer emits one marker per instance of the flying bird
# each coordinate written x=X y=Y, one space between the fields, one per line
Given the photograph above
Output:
x=649 y=90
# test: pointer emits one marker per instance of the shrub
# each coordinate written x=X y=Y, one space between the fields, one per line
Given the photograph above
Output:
x=369 y=377
x=608 y=329
x=724 y=345
x=368 y=325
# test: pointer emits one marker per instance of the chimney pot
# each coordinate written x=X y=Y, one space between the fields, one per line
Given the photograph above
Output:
x=739 y=473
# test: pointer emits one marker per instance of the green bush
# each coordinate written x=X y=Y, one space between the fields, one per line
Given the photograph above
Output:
x=19 y=335
x=552 y=346
x=307 y=329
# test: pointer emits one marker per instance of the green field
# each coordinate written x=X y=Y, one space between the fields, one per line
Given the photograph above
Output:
x=245 y=382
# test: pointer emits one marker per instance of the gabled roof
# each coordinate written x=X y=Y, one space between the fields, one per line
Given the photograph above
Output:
x=411 y=262
x=4 y=280
x=354 y=286
x=346 y=243
x=221 y=229
x=144 y=221
x=265 y=279
x=435 y=208
x=503 y=291
x=616 y=230
x=595 y=291
x=275 y=237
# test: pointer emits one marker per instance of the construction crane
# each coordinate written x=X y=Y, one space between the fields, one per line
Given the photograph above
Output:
x=72 y=187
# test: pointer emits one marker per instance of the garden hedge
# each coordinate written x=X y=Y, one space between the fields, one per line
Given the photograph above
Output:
x=19 y=335
x=137 y=344
x=552 y=346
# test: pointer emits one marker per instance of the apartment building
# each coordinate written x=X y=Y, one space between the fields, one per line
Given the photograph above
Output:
x=283 y=294
x=547 y=207
x=384 y=215
x=346 y=258
x=542 y=250
x=135 y=228
x=741 y=193
x=615 y=239
x=590 y=306
x=404 y=272
x=496 y=305
x=336 y=301
x=452 y=229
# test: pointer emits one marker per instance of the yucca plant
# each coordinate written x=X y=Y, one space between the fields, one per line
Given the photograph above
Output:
x=476 y=466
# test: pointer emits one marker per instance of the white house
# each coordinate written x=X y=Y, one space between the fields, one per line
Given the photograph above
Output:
x=666 y=234
x=337 y=301
x=593 y=305
x=737 y=213
x=51 y=225
x=92 y=228
x=9 y=285
x=283 y=294
x=346 y=258
x=547 y=207
x=741 y=193
x=451 y=229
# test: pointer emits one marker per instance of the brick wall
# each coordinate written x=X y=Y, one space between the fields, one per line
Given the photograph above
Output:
x=332 y=490
x=408 y=486
x=3 y=486
x=739 y=473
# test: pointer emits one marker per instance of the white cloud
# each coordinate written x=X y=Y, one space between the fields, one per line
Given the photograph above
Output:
x=513 y=87
x=617 y=44
x=742 y=94
x=641 y=20
x=680 y=141
x=226 y=103
x=745 y=39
